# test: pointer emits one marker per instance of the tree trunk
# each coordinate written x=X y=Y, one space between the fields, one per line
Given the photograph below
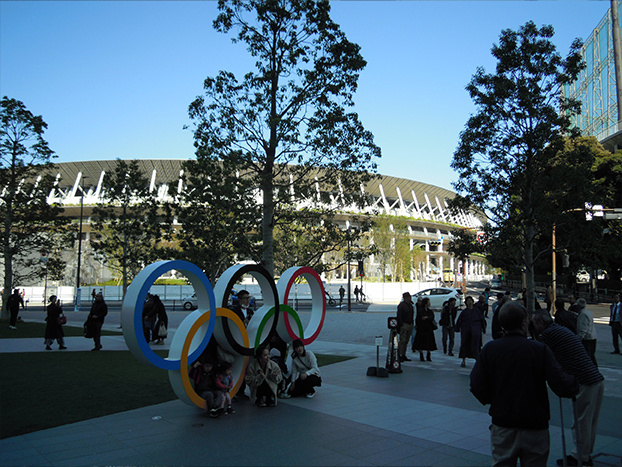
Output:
x=267 y=182
x=8 y=259
x=8 y=274
x=529 y=270
x=124 y=265
x=267 y=224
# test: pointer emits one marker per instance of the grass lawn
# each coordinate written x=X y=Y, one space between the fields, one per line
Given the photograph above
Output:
x=41 y=390
x=30 y=329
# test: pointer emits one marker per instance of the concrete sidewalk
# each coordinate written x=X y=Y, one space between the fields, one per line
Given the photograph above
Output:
x=423 y=416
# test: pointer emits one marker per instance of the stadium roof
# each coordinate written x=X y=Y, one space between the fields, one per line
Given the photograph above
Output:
x=391 y=195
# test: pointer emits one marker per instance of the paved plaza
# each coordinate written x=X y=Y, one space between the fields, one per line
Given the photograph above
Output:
x=423 y=416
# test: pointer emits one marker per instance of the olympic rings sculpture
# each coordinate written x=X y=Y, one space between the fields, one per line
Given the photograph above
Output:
x=213 y=318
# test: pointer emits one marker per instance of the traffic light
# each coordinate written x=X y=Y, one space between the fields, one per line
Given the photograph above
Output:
x=361 y=272
x=566 y=260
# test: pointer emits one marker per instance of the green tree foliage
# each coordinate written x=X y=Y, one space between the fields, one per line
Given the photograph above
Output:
x=287 y=123
x=29 y=222
x=391 y=239
x=129 y=222
x=505 y=148
x=216 y=217
x=572 y=183
x=419 y=258
x=55 y=267
x=462 y=245
x=302 y=244
x=607 y=172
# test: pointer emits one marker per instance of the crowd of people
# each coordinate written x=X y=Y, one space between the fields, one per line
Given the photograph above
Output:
x=272 y=374
x=267 y=378
x=511 y=372
x=528 y=351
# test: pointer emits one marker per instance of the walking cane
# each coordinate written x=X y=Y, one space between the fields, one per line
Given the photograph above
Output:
x=576 y=427
x=561 y=416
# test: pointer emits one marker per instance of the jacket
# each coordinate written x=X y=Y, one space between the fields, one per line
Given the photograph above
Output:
x=305 y=364
x=511 y=374
x=254 y=379
x=99 y=309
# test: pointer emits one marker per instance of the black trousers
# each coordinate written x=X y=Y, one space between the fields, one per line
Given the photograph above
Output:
x=97 y=333
x=305 y=386
x=13 y=319
x=590 y=346
x=264 y=390
x=616 y=331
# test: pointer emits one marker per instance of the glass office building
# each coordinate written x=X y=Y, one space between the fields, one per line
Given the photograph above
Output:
x=596 y=87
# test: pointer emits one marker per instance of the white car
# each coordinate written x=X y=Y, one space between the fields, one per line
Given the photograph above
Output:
x=439 y=295
x=583 y=277
x=190 y=303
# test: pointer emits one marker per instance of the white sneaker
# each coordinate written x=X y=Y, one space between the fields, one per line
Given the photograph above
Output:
x=310 y=395
x=12 y=327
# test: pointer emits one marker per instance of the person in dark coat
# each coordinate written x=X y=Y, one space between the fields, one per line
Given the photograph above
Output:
x=564 y=317
x=405 y=324
x=99 y=310
x=149 y=315
x=12 y=304
x=482 y=304
x=511 y=375
x=162 y=319
x=243 y=307
x=424 y=336
x=496 y=329
x=53 y=329
x=472 y=325
x=448 y=324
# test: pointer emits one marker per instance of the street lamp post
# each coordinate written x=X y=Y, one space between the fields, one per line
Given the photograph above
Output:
x=78 y=290
x=349 y=231
x=348 y=272
x=554 y=271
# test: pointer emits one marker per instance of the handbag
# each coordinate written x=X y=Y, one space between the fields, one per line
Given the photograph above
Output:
x=61 y=319
x=162 y=330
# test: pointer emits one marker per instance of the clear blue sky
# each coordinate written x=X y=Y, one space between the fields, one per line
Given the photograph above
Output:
x=114 y=79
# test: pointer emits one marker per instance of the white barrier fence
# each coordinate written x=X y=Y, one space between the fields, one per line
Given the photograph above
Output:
x=375 y=292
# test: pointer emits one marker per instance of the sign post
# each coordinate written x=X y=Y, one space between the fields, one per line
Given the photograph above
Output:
x=376 y=370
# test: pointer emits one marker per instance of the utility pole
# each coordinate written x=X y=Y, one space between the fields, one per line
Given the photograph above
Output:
x=617 y=55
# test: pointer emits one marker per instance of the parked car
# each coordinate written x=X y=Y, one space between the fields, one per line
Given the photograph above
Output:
x=583 y=277
x=439 y=295
x=495 y=283
x=190 y=303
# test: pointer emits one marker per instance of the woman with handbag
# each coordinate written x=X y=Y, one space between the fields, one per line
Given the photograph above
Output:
x=161 y=326
x=424 y=336
x=54 y=327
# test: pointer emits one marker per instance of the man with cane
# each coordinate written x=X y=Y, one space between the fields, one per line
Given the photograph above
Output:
x=574 y=359
x=511 y=374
